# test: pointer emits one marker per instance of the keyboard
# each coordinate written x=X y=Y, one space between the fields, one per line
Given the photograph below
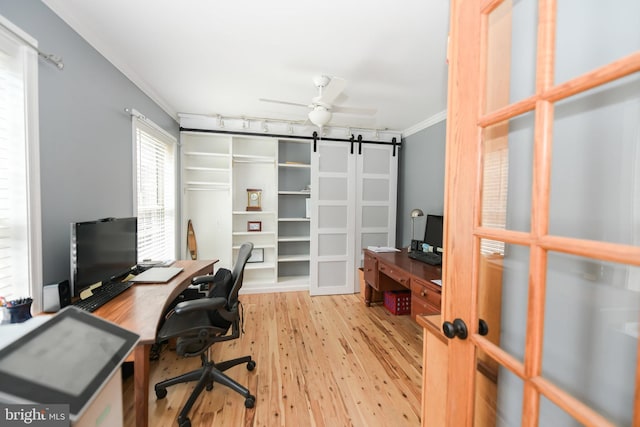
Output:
x=431 y=258
x=102 y=295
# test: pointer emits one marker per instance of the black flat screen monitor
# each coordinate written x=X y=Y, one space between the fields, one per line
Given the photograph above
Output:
x=433 y=231
x=102 y=250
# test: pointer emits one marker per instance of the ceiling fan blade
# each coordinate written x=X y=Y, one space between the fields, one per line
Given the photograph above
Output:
x=332 y=90
x=354 y=110
x=275 y=101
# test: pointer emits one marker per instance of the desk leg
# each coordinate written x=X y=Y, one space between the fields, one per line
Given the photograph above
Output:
x=141 y=383
x=367 y=294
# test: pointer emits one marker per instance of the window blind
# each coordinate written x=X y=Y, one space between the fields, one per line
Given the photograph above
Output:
x=155 y=192
x=494 y=196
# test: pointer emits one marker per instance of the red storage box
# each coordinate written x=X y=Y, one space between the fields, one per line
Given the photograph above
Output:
x=398 y=302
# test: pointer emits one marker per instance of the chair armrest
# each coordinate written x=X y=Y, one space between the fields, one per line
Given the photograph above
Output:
x=198 y=280
x=206 y=304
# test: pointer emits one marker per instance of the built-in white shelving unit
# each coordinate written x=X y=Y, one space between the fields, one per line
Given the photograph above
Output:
x=294 y=193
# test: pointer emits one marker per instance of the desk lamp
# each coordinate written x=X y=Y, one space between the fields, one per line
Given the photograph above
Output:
x=414 y=214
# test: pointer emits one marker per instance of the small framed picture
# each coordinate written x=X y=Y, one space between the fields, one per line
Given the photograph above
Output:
x=254 y=225
x=257 y=255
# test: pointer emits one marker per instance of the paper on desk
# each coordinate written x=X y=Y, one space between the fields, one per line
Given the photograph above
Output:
x=437 y=282
x=382 y=249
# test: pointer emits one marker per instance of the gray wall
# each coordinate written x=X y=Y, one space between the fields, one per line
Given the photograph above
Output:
x=85 y=136
x=420 y=180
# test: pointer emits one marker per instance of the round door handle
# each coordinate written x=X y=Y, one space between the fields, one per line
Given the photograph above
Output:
x=456 y=329
x=483 y=328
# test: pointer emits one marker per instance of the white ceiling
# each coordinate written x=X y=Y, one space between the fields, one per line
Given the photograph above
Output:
x=219 y=57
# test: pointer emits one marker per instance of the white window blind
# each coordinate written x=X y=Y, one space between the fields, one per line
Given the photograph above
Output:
x=20 y=243
x=156 y=184
x=494 y=194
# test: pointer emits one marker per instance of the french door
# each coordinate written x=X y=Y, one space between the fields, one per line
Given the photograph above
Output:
x=542 y=184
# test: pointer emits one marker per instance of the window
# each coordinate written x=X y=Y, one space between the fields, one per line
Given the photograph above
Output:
x=20 y=236
x=155 y=190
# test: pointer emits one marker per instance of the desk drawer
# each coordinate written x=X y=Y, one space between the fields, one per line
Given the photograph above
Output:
x=427 y=292
x=421 y=307
x=370 y=270
x=395 y=273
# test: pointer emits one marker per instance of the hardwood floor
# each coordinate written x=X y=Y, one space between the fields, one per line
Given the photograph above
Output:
x=320 y=361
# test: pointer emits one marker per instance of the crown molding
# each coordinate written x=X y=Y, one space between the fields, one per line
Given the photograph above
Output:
x=437 y=118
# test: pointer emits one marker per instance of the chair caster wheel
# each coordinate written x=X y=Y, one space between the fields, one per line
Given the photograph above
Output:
x=250 y=402
x=184 y=423
x=161 y=393
x=209 y=387
x=251 y=365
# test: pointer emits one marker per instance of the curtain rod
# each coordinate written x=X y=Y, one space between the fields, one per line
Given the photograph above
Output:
x=54 y=59
x=314 y=138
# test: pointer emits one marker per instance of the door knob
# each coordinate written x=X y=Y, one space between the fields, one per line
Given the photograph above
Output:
x=483 y=328
x=456 y=329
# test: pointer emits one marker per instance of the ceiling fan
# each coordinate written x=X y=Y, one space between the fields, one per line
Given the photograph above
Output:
x=329 y=88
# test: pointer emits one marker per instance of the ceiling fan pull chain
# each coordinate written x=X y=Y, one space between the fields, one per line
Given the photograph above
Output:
x=359 y=144
x=315 y=141
x=351 y=140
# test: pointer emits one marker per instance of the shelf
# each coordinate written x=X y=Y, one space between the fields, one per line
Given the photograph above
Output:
x=294 y=239
x=259 y=266
x=244 y=158
x=254 y=212
x=208 y=183
x=257 y=246
x=294 y=219
x=254 y=233
x=296 y=193
x=205 y=154
x=294 y=165
x=293 y=258
x=206 y=186
x=200 y=168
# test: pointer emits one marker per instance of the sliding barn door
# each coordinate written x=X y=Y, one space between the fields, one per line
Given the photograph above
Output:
x=542 y=213
x=333 y=187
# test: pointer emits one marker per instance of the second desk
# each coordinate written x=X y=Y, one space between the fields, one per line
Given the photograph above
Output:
x=390 y=271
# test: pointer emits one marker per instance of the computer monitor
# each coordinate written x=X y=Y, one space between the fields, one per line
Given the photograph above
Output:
x=433 y=232
x=102 y=250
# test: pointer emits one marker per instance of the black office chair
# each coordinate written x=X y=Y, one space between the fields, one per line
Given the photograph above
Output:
x=199 y=323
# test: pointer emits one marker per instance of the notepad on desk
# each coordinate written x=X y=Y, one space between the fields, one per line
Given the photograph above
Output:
x=380 y=249
x=157 y=275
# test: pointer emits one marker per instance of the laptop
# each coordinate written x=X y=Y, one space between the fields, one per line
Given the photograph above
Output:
x=157 y=275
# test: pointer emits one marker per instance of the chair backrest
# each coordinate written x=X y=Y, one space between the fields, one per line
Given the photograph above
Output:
x=244 y=253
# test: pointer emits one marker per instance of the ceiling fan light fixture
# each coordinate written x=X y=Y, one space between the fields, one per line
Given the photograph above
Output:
x=319 y=116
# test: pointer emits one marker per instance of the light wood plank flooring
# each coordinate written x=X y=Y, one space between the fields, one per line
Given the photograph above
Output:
x=320 y=361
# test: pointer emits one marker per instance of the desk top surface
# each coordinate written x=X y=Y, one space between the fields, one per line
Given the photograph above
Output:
x=140 y=308
x=415 y=268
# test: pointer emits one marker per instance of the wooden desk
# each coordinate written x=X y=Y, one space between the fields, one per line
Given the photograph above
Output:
x=139 y=309
x=390 y=271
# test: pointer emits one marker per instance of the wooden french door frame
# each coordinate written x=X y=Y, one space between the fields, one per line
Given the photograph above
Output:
x=466 y=122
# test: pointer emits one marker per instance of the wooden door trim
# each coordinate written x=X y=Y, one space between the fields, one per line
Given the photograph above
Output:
x=463 y=156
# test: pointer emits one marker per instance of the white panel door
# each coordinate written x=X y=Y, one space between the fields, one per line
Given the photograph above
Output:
x=333 y=183
x=376 y=189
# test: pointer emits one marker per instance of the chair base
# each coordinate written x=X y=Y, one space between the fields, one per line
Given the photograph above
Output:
x=205 y=376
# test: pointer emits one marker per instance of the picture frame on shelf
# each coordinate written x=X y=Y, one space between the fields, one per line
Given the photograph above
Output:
x=254 y=225
x=257 y=255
